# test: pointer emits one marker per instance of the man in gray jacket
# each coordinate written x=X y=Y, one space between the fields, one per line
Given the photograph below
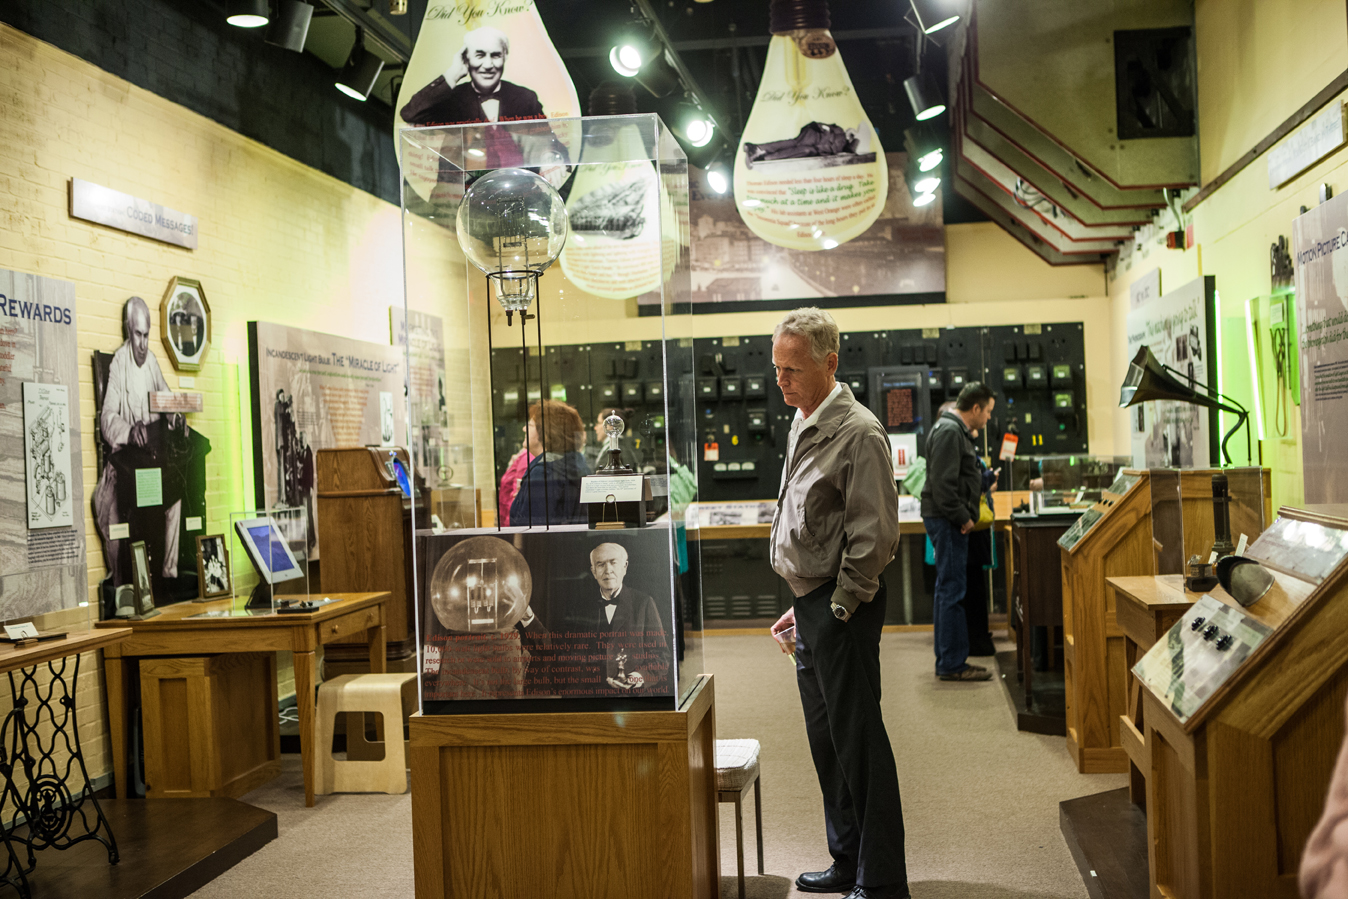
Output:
x=949 y=512
x=835 y=529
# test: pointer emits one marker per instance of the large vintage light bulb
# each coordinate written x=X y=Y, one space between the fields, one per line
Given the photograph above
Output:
x=621 y=219
x=512 y=225
x=810 y=173
x=482 y=585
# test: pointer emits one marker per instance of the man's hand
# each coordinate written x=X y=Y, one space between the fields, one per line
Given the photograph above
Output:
x=786 y=621
x=967 y=526
x=139 y=436
x=458 y=70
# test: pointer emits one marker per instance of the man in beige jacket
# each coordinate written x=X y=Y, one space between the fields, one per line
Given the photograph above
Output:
x=835 y=529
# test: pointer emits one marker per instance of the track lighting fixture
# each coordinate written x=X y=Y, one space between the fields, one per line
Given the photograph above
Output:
x=925 y=96
x=361 y=71
x=248 y=13
x=933 y=15
x=291 y=25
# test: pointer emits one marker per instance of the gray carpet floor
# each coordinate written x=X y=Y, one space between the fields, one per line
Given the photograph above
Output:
x=980 y=800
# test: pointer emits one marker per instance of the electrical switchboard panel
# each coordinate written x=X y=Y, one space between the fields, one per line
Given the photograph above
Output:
x=1037 y=373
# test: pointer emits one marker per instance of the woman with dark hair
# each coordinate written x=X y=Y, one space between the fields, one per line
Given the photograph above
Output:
x=549 y=492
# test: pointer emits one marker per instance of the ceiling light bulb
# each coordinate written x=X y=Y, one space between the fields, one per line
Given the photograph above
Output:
x=930 y=161
x=807 y=123
x=699 y=131
x=927 y=185
x=924 y=199
x=626 y=60
x=248 y=13
x=717 y=181
x=933 y=15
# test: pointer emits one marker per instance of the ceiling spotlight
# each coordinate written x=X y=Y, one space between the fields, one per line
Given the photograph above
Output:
x=927 y=185
x=248 y=13
x=626 y=60
x=924 y=199
x=718 y=178
x=925 y=96
x=291 y=25
x=698 y=129
x=924 y=146
x=397 y=7
x=361 y=71
x=933 y=15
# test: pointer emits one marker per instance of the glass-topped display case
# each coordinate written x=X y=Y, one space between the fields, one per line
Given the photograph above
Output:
x=1064 y=485
x=535 y=252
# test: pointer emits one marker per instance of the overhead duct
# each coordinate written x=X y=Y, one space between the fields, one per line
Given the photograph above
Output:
x=1042 y=91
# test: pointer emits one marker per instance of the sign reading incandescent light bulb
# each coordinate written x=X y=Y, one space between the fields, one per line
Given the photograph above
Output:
x=809 y=172
x=482 y=61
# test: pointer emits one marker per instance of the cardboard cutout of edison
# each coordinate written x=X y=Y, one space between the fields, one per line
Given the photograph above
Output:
x=485 y=97
x=138 y=444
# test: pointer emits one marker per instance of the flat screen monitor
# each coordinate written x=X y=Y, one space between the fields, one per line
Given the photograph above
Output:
x=268 y=550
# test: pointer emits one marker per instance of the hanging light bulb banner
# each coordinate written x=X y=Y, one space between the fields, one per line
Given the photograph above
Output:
x=899 y=258
x=810 y=173
x=481 y=61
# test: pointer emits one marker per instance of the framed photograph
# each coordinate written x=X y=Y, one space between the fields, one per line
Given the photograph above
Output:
x=140 y=578
x=185 y=323
x=213 y=566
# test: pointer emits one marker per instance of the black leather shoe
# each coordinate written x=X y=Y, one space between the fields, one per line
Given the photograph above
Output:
x=892 y=892
x=833 y=880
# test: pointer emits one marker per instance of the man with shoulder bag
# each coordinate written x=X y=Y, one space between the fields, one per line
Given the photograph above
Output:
x=950 y=511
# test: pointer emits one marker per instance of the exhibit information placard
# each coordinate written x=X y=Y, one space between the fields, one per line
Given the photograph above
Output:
x=565 y=613
x=1320 y=241
x=1177 y=326
x=314 y=391
x=1198 y=654
x=1304 y=549
x=105 y=206
x=42 y=503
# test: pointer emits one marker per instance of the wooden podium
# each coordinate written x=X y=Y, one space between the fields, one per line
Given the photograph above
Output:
x=1234 y=791
x=365 y=546
x=1119 y=540
x=589 y=805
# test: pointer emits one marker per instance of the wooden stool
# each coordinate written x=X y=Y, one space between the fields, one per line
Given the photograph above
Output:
x=736 y=768
x=392 y=695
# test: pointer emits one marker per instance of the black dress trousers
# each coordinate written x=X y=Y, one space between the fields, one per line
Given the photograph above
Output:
x=838 y=673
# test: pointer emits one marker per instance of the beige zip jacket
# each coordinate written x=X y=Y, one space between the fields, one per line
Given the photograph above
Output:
x=838 y=509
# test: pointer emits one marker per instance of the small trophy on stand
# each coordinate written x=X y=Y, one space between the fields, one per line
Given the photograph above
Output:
x=617 y=494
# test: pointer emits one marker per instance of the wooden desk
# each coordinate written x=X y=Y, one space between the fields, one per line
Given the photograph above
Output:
x=175 y=632
x=1145 y=608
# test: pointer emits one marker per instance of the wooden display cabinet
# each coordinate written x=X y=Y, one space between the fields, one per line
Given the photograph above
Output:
x=365 y=545
x=1121 y=543
x=1234 y=792
x=606 y=803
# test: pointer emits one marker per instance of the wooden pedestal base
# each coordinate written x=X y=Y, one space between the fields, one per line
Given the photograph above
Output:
x=567 y=806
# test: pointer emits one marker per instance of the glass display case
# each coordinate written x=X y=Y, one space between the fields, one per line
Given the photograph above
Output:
x=529 y=247
x=1201 y=511
x=1064 y=485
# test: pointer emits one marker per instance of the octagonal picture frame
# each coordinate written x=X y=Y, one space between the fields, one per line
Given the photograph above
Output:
x=185 y=323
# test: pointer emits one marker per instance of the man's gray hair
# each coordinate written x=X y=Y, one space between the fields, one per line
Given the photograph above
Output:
x=132 y=306
x=815 y=325
x=488 y=31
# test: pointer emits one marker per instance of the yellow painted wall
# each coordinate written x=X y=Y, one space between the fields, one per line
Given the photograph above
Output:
x=1258 y=62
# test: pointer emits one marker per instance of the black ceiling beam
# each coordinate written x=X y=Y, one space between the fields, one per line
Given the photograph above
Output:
x=390 y=40
x=756 y=40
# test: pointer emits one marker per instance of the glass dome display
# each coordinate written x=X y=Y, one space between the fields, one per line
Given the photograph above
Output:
x=512 y=224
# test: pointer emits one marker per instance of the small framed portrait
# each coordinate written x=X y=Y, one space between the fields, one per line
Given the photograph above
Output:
x=213 y=566
x=140 y=578
x=185 y=323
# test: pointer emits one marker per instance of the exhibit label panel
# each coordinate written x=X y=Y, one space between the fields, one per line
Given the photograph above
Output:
x=1177 y=327
x=565 y=613
x=1320 y=241
x=423 y=337
x=315 y=391
x=42 y=505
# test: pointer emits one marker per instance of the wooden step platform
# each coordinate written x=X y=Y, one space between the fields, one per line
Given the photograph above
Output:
x=1107 y=836
x=169 y=849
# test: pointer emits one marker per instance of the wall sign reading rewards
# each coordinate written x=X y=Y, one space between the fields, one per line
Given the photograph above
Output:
x=105 y=206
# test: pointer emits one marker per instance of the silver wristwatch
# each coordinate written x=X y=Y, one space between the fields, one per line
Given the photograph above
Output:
x=839 y=612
